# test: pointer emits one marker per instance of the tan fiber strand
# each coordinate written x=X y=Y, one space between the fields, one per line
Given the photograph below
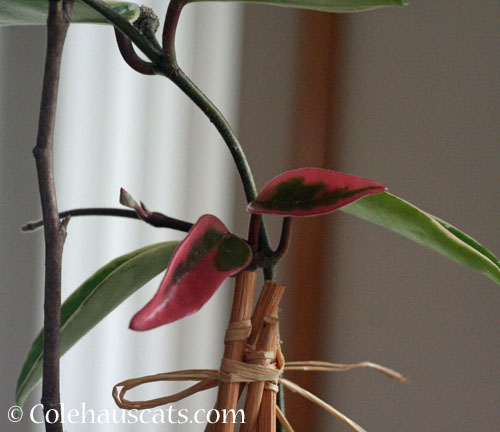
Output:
x=258 y=356
x=233 y=371
x=207 y=379
x=321 y=403
x=271 y=386
x=283 y=420
x=238 y=331
x=319 y=366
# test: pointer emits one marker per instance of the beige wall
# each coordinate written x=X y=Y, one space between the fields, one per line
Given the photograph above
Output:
x=21 y=67
x=421 y=114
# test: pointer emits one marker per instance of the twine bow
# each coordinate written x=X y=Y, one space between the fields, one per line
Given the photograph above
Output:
x=236 y=371
x=264 y=362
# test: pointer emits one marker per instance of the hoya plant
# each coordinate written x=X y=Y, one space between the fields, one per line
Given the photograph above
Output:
x=210 y=253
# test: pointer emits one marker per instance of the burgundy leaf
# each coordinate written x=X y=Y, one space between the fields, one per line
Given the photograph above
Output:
x=311 y=191
x=204 y=259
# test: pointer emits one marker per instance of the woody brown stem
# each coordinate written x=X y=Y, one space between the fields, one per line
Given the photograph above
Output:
x=155 y=219
x=54 y=230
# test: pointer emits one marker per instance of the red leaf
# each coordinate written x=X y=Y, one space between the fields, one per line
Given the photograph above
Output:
x=204 y=259
x=311 y=191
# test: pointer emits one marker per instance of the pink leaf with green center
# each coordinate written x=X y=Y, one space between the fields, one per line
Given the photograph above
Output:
x=311 y=191
x=204 y=259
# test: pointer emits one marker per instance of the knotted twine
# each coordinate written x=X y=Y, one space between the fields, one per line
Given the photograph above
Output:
x=266 y=366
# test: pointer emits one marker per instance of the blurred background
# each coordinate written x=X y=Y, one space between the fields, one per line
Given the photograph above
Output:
x=408 y=97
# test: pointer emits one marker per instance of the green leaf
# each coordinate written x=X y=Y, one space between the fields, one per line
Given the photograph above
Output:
x=404 y=218
x=93 y=300
x=34 y=12
x=328 y=5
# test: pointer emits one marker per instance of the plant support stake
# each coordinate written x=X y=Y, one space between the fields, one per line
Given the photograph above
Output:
x=54 y=230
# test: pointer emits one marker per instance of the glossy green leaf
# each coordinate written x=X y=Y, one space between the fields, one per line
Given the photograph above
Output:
x=469 y=240
x=34 y=12
x=93 y=300
x=404 y=218
x=329 y=5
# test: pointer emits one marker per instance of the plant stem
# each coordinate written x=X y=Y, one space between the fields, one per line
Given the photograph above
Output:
x=222 y=126
x=158 y=220
x=254 y=231
x=172 y=71
x=286 y=236
x=141 y=41
x=280 y=402
x=178 y=77
x=148 y=24
x=167 y=65
x=128 y=53
x=55 y=231
x=169 y=29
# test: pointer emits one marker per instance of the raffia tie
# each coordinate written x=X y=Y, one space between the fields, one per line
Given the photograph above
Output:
x=238 y=330
x=259 y=366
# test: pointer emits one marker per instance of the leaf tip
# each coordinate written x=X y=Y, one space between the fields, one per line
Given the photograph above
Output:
x=138 y=324
x=126 y=199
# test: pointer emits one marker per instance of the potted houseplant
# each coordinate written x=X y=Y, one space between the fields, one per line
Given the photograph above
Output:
x=210 y=253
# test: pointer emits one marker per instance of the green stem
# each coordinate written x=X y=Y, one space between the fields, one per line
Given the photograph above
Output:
x=280 y=401
x=177 y=76
x=190 y=89
x=167 y=65
x=285 y=239
x=142 y=42
x=172 y=71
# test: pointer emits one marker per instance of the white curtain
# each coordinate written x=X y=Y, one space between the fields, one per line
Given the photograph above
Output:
x=116 y=128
